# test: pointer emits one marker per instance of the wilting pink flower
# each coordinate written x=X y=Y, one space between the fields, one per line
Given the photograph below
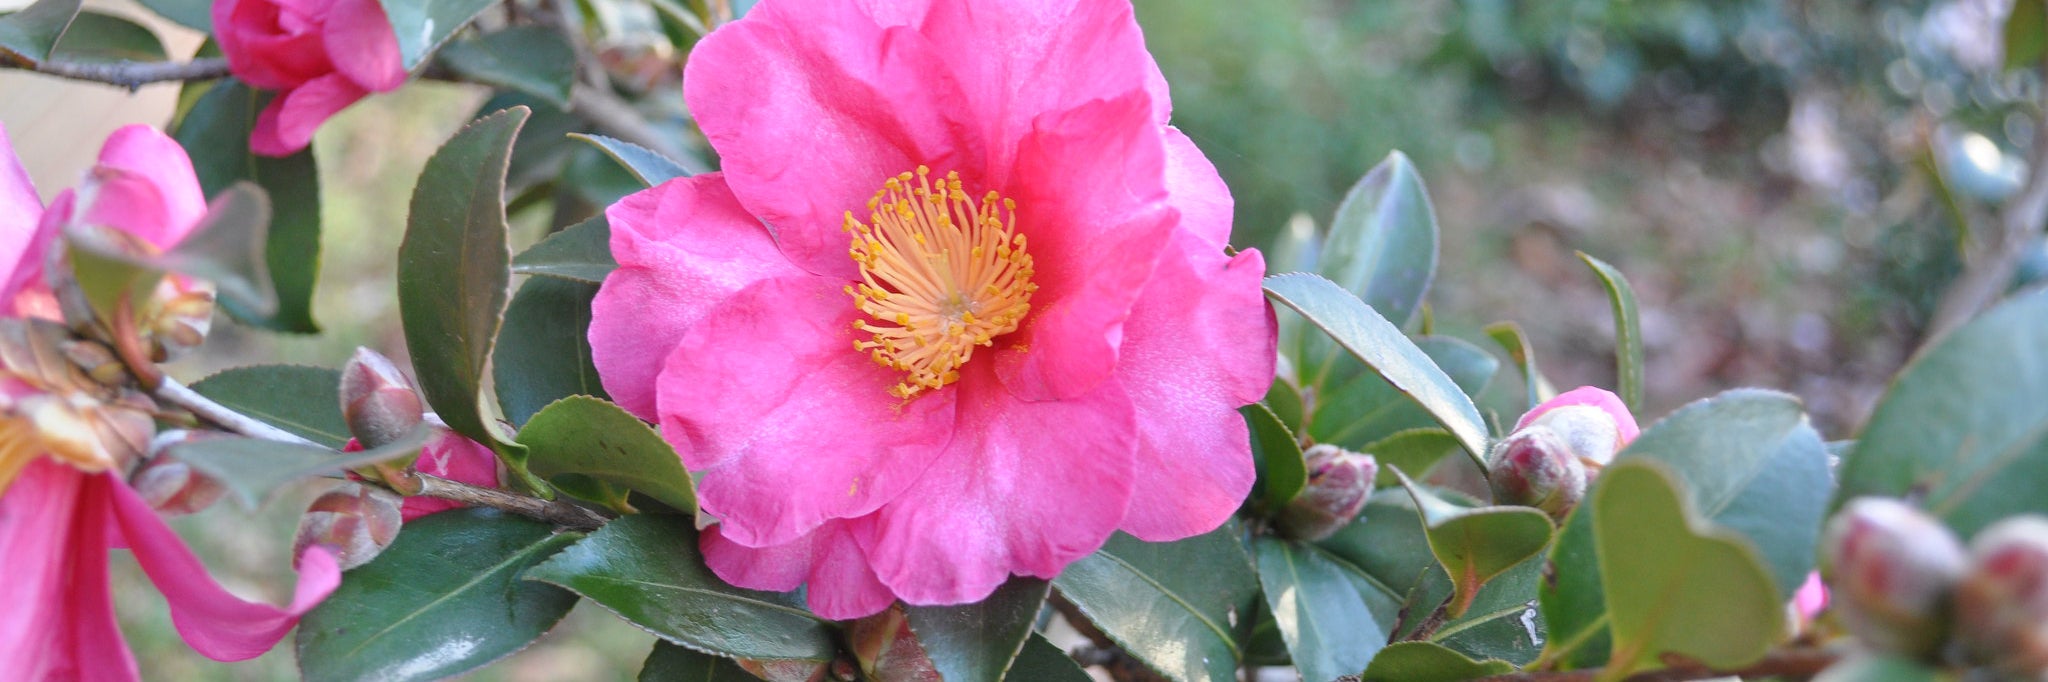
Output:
x=957 y=308
x=63 y=499
x=319 y=55
x=451 y=456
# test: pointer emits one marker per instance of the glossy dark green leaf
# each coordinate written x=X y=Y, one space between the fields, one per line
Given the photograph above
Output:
x=1751 y=464
x=2026 y=34
x=33 y=31
x=252 y=467
x=1476 y=545
x=543 y=353
x=1383 y=348
x=649 y=166
x=1277 y=455
x=675 y=663
x=303 y=400
x=1328 y=628
x=1412 y=450
x=1628 y=331
x=1145 y=596
x=581 y=252
x=1511 y=339
x=1880 y=668
x=978 y=642
x=192 y=14
x=1428 y=662
x=1964 y=427
x=1383 y=241
x=96 y=38
x=442 y=600
x=1042 y=661
x=646 y=569
x=1285 y=402
x=454 y=272
x=423 y=25
x=590 y=437
x=536 y=60
x=1365 y=408
x=1691 y=589
x=215 y=133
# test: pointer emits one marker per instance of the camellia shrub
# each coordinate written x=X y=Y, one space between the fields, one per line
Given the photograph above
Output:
x=952 y=351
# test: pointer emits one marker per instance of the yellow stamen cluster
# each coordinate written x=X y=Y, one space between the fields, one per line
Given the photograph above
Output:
x=940 y=274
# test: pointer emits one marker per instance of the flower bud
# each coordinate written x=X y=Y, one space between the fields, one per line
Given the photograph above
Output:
x=177 y=317
x=2002 y=605
x=377 y=401
x=1589 y=433
x=786 y=670
x=1535 y=467
x=169 y=485
x=354 y=521
x=1339 y=483
x=888 y=650
x=1892 y=572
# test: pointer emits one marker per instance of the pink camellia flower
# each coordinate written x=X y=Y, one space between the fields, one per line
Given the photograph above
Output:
x=957 y=308
x=65 y=444
x=319 y=55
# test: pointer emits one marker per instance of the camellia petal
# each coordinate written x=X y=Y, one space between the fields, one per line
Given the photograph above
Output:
x=1197 y=191
x=1590 y=396
x=456 y=458
x=358 y=31
x=260 y=51
x=828 y=560
x=146 y=187
x=20 y=210
x=59 y=622
x=287 y=124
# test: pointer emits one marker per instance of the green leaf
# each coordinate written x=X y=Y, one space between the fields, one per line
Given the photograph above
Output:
x=1328 y=628
x=1383 y=240
x=96 y=38
x=1041 y=661
x=1427 y=662
x=215 y=132
x=193 y=14
x=1150 y=599
x=590 y=437
x=303 y=400
x=226 y=248
x=1476 y=545
x=646 y=569
x=1964 y=427
x=1628 y=331
x=1282 y=471
x=1383 y=348
x=1411 y=450
x=1868 y=667
x=252 y=467
x=649 y=166
x=536 y=60
x=1511 y=339
x=581 y=252
x=2026 y=34
x=1366 y=408
x=979 y=642
x=442 y=600
x=1691 y=589
x=543 y=353
x=423 y=25
x=454 y=269
x=31 y=32
x=1752 y=465
x=672 y=663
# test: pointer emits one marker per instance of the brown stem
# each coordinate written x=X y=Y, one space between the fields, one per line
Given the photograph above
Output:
x=1793 y=663
x=556 y=512
x=126 y=74
x=128 y=346
x=1435 y=621
x=169 y=391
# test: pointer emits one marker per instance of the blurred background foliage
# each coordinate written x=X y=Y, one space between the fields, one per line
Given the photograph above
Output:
x=1763 y=171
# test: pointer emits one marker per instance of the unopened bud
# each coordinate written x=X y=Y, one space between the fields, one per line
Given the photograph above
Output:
x=1535 y=467
x=169 y=485
x=1339 y=483
x=786 y=670
x=354 y=521
x=2002 y=605
x=1892 y=572
x=177 y=317
x=888 y=650
x=1589 y=433
x=377 y=401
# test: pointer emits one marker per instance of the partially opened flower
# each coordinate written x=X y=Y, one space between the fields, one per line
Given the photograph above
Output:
x=66 y=443
x=957 y=308
x=320 y=55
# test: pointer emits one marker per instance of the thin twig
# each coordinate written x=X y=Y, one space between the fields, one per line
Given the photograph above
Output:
x=170 y=391
x=557 y=512
x=1435 y=621
x=1795 y=663
x=127 y=74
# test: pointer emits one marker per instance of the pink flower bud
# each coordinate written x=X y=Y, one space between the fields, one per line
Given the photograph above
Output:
x=1589 y=433
x=888 y=650
x=786 y=670
x=377 y=401
x=1339 y=483
x=170 y=486
x=2002 y=605
x=354 y=521
x=1535 y=467
x=1892 y=572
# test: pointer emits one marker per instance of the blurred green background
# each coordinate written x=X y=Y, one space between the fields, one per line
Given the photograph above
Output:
x=1760 y=170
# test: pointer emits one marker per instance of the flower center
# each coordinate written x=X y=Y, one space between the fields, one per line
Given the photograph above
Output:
x=940 y=274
